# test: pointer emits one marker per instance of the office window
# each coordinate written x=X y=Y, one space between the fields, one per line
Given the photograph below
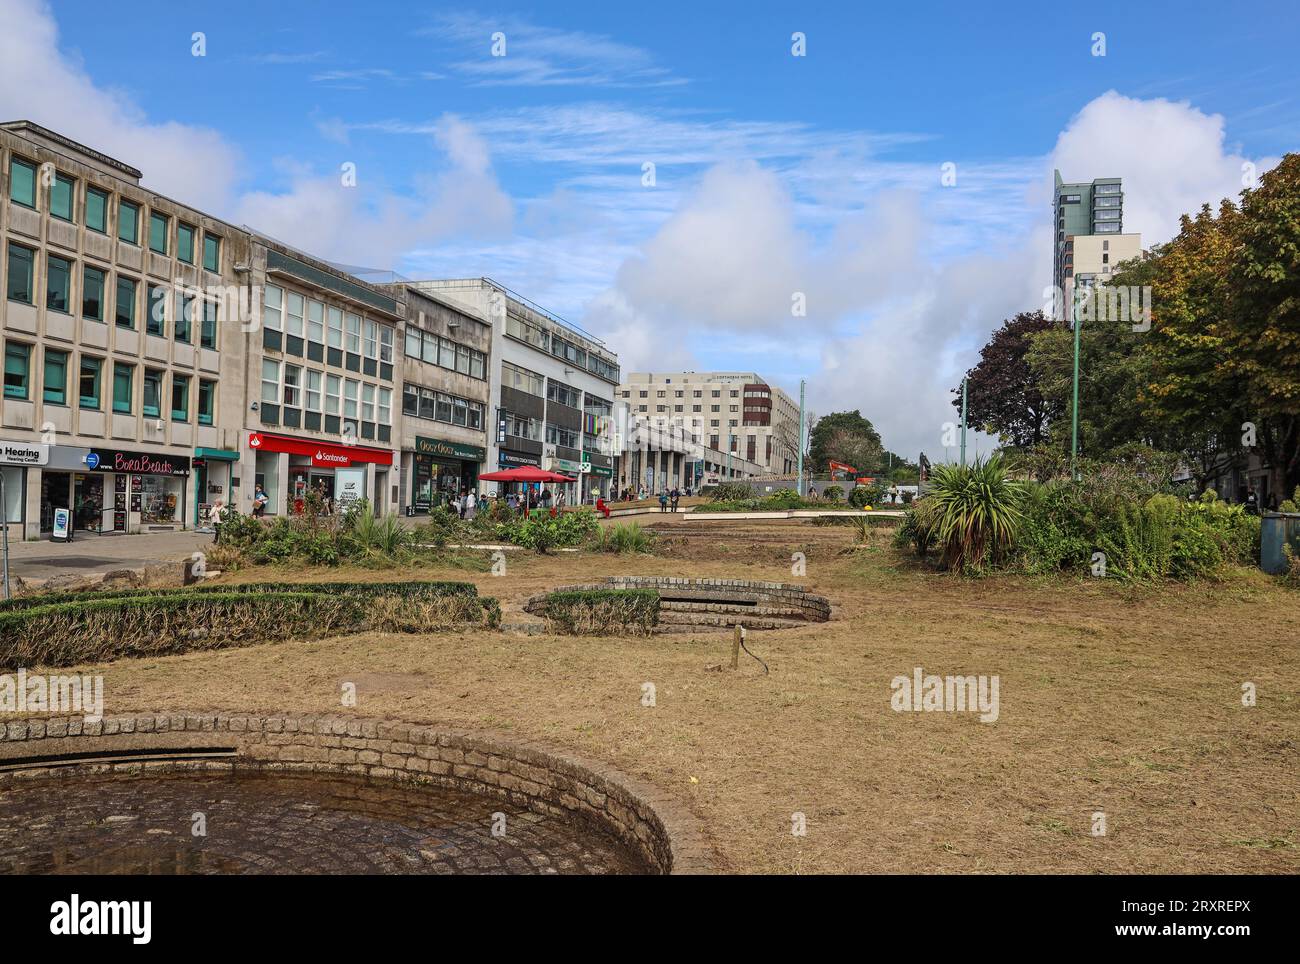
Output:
x=97 y=210
x=208 y=336
x=92 y=293
x=458 y=410
x=293 y=317
x=313 y=390
x=385 y=344
x=293 y=386
x=207 y=401
x=62 y=191
x=447 y=354
x=354 y=333
x=54 y=385
x=476 y=364
x=185 y=241
x=350 y=398
x=385 y=406
x=462 y=359
x=444 y=408
x=428 y=403
x=21 y=282
x=153 y=379
x=185 y=303
x=124 y=310
x=316 y=322
x=89 y=381
x=270 y=381
x=410 y=399
x=475 y=415
x=335 y=316
x=431 y=349
x=332 y=394
x=58 y=284
x=158 y=226
x=22 y=182
x=18 y=360
x=180 y=397
x=367 y=402
x=211 y=252
x=128 y=221
x=372 y=340
x=413 y=343
x=156 y=318
x=272 y=307
x=123 y=376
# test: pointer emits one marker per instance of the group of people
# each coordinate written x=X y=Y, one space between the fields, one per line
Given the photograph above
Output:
x=629 y=494
x=669 y=497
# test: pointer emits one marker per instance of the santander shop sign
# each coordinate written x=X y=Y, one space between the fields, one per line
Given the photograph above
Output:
x=322 y=455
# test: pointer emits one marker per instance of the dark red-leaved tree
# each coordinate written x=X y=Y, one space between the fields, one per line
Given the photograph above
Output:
x=1001 y=391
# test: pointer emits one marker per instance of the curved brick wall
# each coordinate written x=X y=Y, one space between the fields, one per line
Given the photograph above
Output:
x=529 y=774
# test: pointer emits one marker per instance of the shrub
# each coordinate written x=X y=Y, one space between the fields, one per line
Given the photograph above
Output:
x=976 y=512
x=603 y=612
x=731 y=492
x=620 y=538
x=833 y=493
x=865 y=495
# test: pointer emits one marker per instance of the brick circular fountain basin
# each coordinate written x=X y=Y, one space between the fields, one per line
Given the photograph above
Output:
x=233 y=793
x=690 y=605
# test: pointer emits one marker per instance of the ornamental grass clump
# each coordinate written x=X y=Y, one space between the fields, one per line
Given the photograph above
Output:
x=973 y=513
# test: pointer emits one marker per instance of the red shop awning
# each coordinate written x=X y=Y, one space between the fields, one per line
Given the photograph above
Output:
x=323 y=455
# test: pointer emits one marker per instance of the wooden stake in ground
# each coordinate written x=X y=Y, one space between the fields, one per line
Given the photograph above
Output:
x=737 y=638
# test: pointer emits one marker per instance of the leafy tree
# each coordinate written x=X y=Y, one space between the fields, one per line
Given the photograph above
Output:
x=845 y=437
x=1003 y=395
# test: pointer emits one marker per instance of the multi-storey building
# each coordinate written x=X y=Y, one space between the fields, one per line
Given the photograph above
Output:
x=551 y=383
x=738 y=413
x=658 y=453
x=1089 y=238
x=117 y=413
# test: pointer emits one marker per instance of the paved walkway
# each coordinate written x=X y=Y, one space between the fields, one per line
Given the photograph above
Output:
x=88 y=553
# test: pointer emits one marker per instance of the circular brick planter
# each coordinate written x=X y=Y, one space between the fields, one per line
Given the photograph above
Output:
x=528 y=774
x=690 y=605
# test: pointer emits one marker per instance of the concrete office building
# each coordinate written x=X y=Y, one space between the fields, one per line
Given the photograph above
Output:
x=117 y=413
x=1089 y=233
x=658 y=453
x=738 y=413
x=551 y=384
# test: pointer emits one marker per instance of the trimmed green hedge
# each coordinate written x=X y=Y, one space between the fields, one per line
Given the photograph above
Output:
x=367 y=589
x=603 y=612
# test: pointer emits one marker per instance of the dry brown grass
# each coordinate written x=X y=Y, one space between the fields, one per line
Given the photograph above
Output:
x=1114 y=700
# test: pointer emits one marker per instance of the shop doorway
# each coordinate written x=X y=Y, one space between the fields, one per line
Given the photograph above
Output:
x=55 y=491
x=88 y=502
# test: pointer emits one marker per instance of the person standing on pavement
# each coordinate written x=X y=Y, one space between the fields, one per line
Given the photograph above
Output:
x=218 y=514
x=675 y=495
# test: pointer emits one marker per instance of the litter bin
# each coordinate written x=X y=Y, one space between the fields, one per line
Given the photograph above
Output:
x=1278 y=529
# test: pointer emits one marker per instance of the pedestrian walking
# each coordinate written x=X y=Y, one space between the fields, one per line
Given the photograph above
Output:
x=260 y=501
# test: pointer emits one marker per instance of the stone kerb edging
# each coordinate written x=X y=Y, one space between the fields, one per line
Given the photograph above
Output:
x=527 y=773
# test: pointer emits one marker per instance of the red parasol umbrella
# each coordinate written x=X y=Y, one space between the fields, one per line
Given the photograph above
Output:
x=525 y=473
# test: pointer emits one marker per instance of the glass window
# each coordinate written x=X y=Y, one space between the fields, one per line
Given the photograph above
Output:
x=128 y=221
x=313 y=390
x=372 y=339
x=336 y=328
x=124 y=312
x=58 y=284
x=293 y=322
x=413 y=343
x=270 y=381
x=428 y=403
x=410 y=400
x=367 y=402
x=476 y=364
x=431 y=349
x=54 y=386
x=462 y=359
x=458 y=410
x=185 y=242
x=92 y=293
x=354 y=333
x=385 y=344
x=22 y=182
x=350 y=398
x=316 y=322
x=89 y=387
x=207 y=400
x=158 y=225
x=272 y=307
x=180 y=397
x=331 y=394
x=475 y=415
x=293 y=386
x=211 y=252
x=153 y=379
x=444 y=408
x=185 y=303
x=156 y=319
x=18 y=358
x=446 y=353
x=97 y=210
x=21 y=261
x=62 y=192
x=208 y=336
x=385 y=406
x=123 y=375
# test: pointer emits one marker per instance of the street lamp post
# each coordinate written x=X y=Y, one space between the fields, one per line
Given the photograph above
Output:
x=803 y=387
x=963 y=421
x=1074 y=416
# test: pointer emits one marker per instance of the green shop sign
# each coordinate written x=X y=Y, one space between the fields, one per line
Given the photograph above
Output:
x=449 y=450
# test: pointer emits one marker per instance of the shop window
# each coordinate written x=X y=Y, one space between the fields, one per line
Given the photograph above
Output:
x=124 y=310
x=21 y=282
x=159 y=224
x=97 y=210
x=180 y=398
x=54 y=385
x=152 y=406
x=62 y=192
x=207 y=400
x=128 y=221
x=160 y=498
x=92 y=293
x=211 y=252
x=185 y=242
x=89 y=382
x=123 y=389
x=18 y=362
x=156 y=318
x=22 y=182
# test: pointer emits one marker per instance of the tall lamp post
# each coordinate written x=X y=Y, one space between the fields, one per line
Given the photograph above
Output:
x=1074 y=415
x=803 y=389
x=963 y=422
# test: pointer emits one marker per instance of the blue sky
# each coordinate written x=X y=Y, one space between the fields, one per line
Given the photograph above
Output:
x=774 y=174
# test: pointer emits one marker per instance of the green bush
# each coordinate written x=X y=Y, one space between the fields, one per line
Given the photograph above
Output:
x=731 y=492
x=603 y=612
x=866 y=495
x=624 y=537
x=976 y=512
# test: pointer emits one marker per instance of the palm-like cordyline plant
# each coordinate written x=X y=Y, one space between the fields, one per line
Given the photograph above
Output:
x=976 y=511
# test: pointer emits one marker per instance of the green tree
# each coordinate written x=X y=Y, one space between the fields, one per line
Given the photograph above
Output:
x=845 y=437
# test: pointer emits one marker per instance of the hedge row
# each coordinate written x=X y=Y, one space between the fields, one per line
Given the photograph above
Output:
x=603 y=612
x=366 y=589
x=68 y=633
